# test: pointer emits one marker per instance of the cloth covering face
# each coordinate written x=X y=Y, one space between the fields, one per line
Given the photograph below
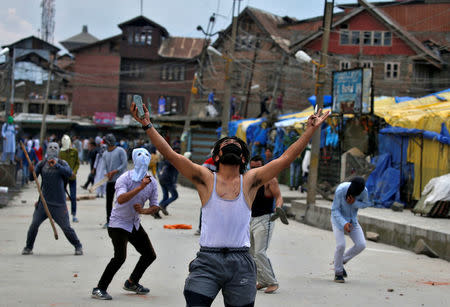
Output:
x=141 y=159
x=29 y=145
x=52 y=150
x=65 y=141
x=37 y=144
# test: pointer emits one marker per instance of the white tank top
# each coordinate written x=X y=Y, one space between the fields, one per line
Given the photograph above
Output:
x=225 y=223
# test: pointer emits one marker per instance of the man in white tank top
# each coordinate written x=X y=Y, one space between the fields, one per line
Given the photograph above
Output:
x=223 y=262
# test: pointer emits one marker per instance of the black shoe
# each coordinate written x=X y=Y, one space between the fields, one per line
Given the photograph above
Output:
x=100 y=294
x=339 y=279
x=135 y=287
x=27 y=251
x=344 y=273
x=282 y=215
x=164 y=210
x=157 y=216
x=84 y=187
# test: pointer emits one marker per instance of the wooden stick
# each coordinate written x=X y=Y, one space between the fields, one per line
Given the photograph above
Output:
x=40 y=193
x=98 y=184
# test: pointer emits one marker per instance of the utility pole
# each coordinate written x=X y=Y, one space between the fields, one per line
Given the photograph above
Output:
x=227 y=96
x=247 y=100
x=196 y=84
x=9 y=107
x=320 y=88
x=44 y=113
x=277 y=83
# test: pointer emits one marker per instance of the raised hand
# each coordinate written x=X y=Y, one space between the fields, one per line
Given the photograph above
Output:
x=316 y=120
x=143 y=121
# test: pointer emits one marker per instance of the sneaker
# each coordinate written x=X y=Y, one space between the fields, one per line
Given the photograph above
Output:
x=100 y=294
x=75 y=220
x=78 y=251
x=135 y=287
x=344 y=273
x=27 y=251
x=164 y=210
x=105 y=226
x=339 y=279
x=282 y=215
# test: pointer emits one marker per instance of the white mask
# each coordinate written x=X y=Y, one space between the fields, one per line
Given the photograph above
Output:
x=65 y=141
x=141 y=160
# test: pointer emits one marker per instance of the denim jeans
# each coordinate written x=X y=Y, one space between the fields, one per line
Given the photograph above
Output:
x=295 y=173
x=73 y=196
x=166 y=189
x=61 y=217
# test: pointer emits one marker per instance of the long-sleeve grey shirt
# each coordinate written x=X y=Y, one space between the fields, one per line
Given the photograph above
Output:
x=53 y=181
x=115 y=160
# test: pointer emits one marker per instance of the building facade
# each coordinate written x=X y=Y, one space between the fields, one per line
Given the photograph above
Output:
x=143 y=60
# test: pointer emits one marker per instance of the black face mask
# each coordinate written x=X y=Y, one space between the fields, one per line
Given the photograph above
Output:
x=231 y=155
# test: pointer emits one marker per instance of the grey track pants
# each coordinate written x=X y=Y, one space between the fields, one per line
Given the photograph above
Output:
x=261 y=229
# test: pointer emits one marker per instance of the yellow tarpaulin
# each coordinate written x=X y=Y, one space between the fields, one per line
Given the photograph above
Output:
x=435 y=161
x=427 y=113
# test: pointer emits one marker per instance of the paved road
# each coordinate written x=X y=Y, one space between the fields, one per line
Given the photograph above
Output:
x=301 y=256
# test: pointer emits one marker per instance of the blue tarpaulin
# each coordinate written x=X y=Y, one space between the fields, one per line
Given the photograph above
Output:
x=411 y=132
x=327 y=101
x=383 y=183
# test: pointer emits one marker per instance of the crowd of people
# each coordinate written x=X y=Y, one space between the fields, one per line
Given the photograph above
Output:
x=239 y=194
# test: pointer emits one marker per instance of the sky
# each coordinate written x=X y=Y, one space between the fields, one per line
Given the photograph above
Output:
x=22 y=18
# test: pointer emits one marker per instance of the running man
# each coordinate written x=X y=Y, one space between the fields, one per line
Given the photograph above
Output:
x=224 y=262
x=133 y=189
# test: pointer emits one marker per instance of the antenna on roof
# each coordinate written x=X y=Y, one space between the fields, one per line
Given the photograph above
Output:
x=48 y=20
x=142 y=7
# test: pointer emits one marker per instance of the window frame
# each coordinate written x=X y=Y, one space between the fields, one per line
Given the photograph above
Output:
x=345 y=63
x=388 y=73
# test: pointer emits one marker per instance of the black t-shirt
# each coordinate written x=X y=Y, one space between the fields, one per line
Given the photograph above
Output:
x=262 y=205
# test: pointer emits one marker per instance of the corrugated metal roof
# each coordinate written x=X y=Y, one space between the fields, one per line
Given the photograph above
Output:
x=272 y=24
x=181 y=47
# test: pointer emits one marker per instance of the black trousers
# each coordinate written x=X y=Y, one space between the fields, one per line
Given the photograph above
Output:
x=110 y=190
x=90 y=180
x=141 y=242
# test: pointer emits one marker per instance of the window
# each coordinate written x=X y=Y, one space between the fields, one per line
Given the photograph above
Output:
x=344 y=37
x=366 y=64
x=355 y=37
x=387 y=38
x=131 y=69
x=391 y=71
x=377 y=38
x=173 y=72
x=245 y=42
x=367 y=38
x=174 y=104
x=344 y=65
x=140 y=37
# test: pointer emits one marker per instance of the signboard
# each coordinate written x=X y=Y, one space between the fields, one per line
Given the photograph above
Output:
x=105 y=118
x=352 y=91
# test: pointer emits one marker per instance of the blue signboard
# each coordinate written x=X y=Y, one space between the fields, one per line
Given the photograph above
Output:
x=352 y=91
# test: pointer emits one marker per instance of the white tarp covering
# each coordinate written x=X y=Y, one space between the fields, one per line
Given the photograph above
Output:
x=437 y=189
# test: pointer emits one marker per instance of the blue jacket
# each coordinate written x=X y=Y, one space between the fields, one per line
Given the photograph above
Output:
x=342 y=212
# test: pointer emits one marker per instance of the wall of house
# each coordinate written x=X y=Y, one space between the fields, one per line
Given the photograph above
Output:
x=96 y=81
x=140 y=51
x=363 y=22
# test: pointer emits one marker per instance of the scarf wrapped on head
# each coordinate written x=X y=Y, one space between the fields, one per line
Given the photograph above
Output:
x=141 y=160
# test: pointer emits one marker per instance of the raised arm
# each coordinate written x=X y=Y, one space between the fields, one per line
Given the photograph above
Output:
x=261 y=175
x=197 y=174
